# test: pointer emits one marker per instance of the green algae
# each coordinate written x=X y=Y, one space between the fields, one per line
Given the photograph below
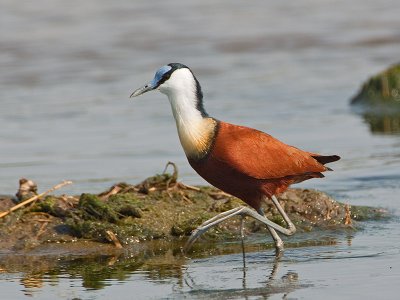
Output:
x=378 y=101
x=127 y=205
x=365 y=213
x=381 y=90
x=47 y=205
x=126 y=233
x=94 y=217
x=185 y=226
x=90 y=207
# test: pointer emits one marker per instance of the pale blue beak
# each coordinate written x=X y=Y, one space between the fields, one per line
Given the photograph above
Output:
x=154 y=83
x=147 y=87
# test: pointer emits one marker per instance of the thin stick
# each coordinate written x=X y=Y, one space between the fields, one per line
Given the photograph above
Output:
x=111 y=235
x=348 y=220
x=34 y=198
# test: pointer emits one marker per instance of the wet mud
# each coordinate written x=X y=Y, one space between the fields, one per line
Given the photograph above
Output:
x=158 y=209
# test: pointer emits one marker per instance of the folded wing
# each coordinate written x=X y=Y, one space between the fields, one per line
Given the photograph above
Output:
x=261 y=156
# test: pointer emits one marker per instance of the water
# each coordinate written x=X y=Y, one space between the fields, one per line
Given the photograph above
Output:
x=68 y=68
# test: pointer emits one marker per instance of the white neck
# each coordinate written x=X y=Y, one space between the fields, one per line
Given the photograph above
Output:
x=194 y=130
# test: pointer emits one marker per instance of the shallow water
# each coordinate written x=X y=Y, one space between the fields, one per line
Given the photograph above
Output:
x=68 y=68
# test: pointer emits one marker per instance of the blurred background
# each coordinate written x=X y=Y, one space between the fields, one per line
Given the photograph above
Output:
x=287 y=68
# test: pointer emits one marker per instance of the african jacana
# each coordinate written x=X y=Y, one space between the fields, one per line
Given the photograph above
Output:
x=241 y=161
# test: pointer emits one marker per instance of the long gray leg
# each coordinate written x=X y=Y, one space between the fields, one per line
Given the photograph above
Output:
x=277 y=239
x=243 y=249
x=245 y=211
x=242 y=227
x=289 y=223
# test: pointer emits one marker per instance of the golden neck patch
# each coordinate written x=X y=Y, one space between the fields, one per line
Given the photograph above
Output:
x=197 y=138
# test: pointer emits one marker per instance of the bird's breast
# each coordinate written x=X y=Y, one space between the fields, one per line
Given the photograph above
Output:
x=197 y=137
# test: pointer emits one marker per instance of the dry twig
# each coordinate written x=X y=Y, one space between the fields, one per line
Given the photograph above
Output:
x=111 y=235
x=34 y=198
x=348 y=220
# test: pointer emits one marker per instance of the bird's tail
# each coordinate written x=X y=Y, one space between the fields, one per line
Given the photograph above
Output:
x=325 y=159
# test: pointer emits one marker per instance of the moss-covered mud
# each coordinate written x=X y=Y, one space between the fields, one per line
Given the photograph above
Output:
x=378 y=101
x=381 y=91
x=157 y=209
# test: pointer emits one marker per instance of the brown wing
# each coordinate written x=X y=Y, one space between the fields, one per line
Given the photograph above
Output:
x=259 y=155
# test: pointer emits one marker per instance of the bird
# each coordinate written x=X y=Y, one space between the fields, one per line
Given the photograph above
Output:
x=241 y=161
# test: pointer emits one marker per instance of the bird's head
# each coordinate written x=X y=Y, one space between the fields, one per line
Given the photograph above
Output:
x=179 y=84
x=195 y=128
x=169 y=79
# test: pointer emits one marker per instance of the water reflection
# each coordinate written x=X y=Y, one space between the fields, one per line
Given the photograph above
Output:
x=273 y=283
x=94 y=272
x=32 y=282
x=381 y=123
x=240 y=269
x=289 y=281
x=157 y=265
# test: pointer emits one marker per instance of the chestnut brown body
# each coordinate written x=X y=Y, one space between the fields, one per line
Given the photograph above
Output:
x=251 y=164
